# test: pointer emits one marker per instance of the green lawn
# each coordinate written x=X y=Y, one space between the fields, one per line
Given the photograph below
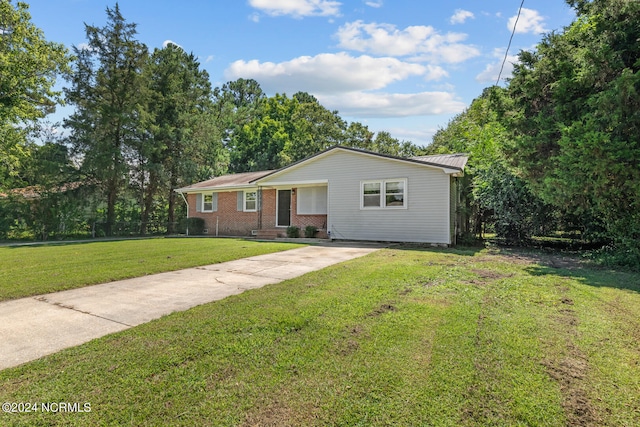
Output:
x=400 y=337
x=39 y=269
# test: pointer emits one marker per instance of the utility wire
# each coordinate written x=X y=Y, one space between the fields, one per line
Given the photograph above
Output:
x=506 y=54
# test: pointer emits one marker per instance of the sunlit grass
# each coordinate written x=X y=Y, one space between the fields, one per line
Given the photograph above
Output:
x=38 y=269
x=399 y=337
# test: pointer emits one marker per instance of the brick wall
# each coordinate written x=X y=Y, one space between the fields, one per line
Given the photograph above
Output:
x=268 y=209
x=232 y=222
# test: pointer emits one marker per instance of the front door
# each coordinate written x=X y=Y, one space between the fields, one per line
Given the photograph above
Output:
x=283 y=217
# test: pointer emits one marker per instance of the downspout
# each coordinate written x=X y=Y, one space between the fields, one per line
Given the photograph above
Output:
x=185 y=202
x=456 y=200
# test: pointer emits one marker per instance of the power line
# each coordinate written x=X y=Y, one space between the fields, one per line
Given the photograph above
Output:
x=506 y=54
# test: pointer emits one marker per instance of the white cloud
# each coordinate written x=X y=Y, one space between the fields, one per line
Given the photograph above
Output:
x=327 y=73
x=297 y=8
x=168 y=42
x=84 y=46
x=435 y=72
x=347 y=84
x=492 y=70
x=417 y=136
x=376 y=3
x=423 y=41
x=209 y=58
x=363 y=104
x=460 y=16
x=530 y=21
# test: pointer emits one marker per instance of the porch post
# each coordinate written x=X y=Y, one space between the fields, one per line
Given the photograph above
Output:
x=259 y=202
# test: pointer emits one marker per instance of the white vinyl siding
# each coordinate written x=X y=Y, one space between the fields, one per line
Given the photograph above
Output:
x=312 y=201
x=426 y=214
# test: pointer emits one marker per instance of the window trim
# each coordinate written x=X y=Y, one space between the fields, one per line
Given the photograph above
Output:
x=244 y=200
x=383 y=193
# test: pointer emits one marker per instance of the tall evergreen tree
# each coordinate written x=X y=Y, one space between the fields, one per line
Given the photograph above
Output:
x=179 y=103
x=105 y=89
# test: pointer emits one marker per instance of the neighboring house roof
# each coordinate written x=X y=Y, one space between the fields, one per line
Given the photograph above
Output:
x=237 y=180
x=449 y=163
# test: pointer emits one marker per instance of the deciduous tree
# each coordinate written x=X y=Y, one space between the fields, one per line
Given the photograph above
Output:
x=29 y=66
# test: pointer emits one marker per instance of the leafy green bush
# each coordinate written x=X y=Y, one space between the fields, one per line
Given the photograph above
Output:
x=195 y=226
x=310 y=231
x=293 y=231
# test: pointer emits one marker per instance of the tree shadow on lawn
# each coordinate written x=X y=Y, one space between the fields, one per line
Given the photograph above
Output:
x=545 y=263
x=421 y=247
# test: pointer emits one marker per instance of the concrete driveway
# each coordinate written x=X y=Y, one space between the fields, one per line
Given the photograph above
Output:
x=34 y=327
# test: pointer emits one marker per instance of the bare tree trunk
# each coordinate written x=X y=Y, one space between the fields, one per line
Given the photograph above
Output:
x=150 y=191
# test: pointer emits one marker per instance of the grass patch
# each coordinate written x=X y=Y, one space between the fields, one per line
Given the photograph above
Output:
x=399 y=337
x=38 y=269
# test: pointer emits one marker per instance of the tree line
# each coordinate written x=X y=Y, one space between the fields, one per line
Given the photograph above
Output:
x=144 y=123
x=558 y=148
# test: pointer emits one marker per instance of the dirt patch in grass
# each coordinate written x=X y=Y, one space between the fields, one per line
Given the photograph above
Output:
x=384 y=308
x=519 y=257
x=486 y=277
x=445 y=264
x=570 y=371
x=489 y=274
x=276 y=414
x=428 y=283
x=349 y=343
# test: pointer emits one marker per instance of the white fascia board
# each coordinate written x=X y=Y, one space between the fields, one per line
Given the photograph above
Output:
x=215 y=189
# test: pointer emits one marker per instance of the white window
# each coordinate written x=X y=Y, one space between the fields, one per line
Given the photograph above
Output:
x=389 y=193
x=209 y=202
x=371 y=195
x=312 y=201
x=250 y=201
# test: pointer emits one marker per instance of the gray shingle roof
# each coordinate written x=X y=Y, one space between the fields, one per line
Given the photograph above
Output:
x=227 y=181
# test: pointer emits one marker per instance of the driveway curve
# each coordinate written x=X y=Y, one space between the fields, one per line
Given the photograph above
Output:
x=36 y=326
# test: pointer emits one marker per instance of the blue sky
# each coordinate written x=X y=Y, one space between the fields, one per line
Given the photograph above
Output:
x=402 y=66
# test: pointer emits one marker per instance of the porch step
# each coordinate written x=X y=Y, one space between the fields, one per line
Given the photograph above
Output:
x=270 y=234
